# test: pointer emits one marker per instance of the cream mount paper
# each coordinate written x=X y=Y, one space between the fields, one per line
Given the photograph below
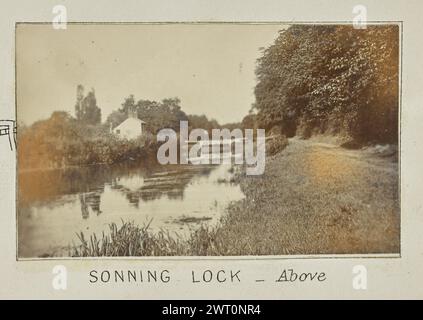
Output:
x=94 y=205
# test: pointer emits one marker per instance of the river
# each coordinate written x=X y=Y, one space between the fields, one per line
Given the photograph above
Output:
x=55 y=205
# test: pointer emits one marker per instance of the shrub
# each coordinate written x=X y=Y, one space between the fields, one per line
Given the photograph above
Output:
x=276 y=145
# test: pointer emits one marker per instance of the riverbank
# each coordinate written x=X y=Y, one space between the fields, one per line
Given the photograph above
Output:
x=317 y=198
x=314 y=198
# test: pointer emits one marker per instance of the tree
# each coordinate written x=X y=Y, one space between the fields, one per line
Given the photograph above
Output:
x=115 y=118
x=128 y=104
x=86 y=109
x=157 y=115
x=331 y=78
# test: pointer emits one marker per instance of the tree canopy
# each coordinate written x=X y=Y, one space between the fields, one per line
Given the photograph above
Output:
x=318 y=78
x=158 y=115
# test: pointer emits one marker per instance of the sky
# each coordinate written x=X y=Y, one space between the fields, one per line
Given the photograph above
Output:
x=210 y=67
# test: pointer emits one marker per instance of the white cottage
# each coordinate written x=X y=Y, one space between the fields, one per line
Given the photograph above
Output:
x=131 y=128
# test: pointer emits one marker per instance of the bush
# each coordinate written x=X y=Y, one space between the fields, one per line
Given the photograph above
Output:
x=61 y=141
x=276 y=145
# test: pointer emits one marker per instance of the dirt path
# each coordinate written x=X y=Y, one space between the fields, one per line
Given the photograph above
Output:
x=319 y=198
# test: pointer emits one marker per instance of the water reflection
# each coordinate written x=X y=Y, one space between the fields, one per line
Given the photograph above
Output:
x=89 y=202
x=41 y=187
x=54 y=205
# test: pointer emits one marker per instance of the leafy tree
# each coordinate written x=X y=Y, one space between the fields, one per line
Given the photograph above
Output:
x=128 y=104
x=317 y=78
x=115 y=118
x=86 y=109
x=157 y=115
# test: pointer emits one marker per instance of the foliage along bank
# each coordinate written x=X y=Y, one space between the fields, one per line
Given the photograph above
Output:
x=331 y=79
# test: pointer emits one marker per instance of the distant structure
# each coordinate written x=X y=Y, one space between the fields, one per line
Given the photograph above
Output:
x=131 y=128
x=86 y=109
x=8 y=128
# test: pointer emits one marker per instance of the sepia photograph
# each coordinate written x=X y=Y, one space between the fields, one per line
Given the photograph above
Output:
x=207 y=139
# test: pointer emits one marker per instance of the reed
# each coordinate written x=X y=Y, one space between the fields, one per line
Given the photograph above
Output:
x=128 y=240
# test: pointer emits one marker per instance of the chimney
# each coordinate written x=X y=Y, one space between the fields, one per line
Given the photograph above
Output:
x=132 y=113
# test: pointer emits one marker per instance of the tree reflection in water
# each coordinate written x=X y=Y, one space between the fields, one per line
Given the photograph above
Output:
x=136 y=182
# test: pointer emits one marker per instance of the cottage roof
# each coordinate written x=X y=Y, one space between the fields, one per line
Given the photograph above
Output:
x=128 y=121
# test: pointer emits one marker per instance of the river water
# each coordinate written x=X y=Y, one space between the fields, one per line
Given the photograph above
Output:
x=55 y=205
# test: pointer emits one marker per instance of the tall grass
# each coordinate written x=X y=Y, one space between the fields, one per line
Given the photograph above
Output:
x=128 y=240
